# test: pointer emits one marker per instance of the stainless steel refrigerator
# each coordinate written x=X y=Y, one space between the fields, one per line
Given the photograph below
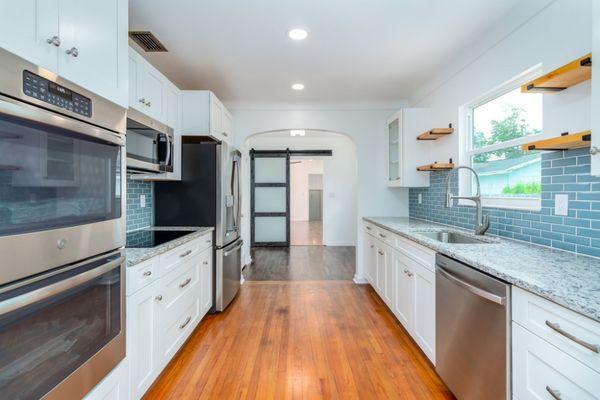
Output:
x=208 y=195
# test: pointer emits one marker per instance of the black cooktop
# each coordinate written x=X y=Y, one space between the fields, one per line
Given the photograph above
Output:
x=145 y=238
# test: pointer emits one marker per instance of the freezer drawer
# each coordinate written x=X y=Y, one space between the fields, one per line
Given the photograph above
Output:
x=228 y=274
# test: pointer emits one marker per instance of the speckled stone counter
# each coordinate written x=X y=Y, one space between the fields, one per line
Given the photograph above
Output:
x=568 y=279
x=137 y=255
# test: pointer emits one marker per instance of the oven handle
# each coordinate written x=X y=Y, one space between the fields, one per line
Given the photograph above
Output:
x=40 y=294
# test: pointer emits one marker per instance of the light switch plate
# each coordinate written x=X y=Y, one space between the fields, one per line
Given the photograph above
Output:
x=142 y=200
x=561 y=204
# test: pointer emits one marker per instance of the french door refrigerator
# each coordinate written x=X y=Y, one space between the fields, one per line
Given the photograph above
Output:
x=208 y=195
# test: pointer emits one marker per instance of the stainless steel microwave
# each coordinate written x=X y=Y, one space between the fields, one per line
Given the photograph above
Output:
x=149 y=144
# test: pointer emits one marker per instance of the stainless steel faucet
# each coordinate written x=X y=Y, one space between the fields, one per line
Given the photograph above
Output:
x=483 y=222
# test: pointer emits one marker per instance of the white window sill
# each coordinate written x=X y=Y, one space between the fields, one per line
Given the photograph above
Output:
x=523 y=204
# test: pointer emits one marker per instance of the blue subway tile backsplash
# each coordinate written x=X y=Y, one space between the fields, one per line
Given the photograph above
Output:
x=138 y=217
x=565 y=172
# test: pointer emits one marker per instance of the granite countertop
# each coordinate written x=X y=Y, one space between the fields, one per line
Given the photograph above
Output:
x=568 y=279
x=137 y=255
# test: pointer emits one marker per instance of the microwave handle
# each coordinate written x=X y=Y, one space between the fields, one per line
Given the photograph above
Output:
x=40 y=294
x=168 y=158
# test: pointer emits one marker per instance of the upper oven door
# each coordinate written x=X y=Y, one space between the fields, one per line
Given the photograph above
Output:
x=61 y=190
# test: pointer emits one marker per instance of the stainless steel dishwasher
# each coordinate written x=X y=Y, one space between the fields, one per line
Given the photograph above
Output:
x=472 y=327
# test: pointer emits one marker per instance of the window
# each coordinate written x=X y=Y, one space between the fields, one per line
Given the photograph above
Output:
x=497 y=127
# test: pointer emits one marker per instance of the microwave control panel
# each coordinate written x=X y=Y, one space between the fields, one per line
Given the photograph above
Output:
x=50 y=92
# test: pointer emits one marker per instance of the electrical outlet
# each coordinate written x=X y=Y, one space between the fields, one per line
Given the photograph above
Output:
x=561 y=204
x=420 y=198
x=142 y=200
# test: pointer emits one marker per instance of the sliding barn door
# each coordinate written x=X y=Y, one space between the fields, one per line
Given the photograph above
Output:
x=270 y=197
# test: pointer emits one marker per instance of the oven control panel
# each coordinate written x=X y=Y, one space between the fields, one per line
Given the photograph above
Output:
x=45 y=90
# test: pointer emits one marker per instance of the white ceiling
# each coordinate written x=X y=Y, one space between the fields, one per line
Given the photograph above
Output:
x=357 y=51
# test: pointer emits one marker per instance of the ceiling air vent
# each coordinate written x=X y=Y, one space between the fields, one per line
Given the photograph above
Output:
x=147 y=41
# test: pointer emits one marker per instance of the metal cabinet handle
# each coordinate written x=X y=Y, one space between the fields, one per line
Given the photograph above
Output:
x=185 y=283
x=147 y=273
x=205 y=262
x=73 y=52
x=380 y=253
x=556 y=327
x=187 y=253
x=55 y=40
x=382 y=235
x=372 y=246
x=187 y=321
x=554 y=393
x=158 y=298
x=149 y=104
x=143 y=101
x=410 y=274
x=369 y=228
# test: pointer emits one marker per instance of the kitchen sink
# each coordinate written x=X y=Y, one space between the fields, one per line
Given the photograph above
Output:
x=451 y=237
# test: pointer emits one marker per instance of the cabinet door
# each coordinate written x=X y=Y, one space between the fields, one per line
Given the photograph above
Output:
x=206 y=281
x=403 y=308
x=93 y=52
x=394 y=147
x=595 y=169
x=216 y=117
x=368 y=258
x=26 y=26
x=152 y=86
x=424 y=309
x=380 y=266
x=173 y=109
x=135 y=93
x=389 y=287
x=142 y=338
x=227 y=127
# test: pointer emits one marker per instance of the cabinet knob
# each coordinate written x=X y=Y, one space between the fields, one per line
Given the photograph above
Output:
x=143 y=101
x=73 y=52
x=149 y=104
x=147 y=273
x=55 y=40
x=159 y=297
x=205 y=262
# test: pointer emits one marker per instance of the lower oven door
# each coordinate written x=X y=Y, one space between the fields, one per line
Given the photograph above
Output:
x=60 y=334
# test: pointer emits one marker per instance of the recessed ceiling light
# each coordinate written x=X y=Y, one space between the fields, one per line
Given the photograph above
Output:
x=297 y=132
x=297 y=34
x=298 y=86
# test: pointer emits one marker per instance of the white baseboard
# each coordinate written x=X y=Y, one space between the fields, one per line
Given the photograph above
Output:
x=340 y=244
x=359 y=280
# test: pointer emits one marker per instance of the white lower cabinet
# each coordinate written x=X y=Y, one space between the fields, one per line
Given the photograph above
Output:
x=164 y=313
x=114 y=386
x=542 y=371
x=403 y=275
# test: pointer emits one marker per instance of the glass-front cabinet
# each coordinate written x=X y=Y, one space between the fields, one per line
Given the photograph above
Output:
x=394 y=144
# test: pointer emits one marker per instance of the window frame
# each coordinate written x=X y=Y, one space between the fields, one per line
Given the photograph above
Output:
x=466 y=150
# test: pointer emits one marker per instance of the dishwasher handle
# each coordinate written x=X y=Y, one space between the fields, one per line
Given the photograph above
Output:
x=473 y=289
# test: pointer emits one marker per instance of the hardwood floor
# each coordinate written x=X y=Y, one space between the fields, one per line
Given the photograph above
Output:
x=306 y=233
x=306 y=263
x=300 y=340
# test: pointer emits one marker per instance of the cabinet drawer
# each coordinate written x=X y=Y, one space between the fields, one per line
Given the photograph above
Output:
x=179 y=328
x=564 y=328
x=369 y=228
x=539 y=368
x=174 y=258
x=176 y=286
x=421 y=254
x=385 y=236
x=141 y=275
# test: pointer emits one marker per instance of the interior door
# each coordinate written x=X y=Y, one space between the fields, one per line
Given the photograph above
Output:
x=270 y=201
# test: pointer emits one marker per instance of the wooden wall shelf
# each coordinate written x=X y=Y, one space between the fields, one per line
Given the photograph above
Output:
x=561 y=78
x=436 y=133
x=563 y=142
x=435 y=167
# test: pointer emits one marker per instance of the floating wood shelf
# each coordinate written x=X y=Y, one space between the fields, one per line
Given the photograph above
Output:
x=435 y=166
x=561 y=78
x=436 y=133
x=563 y=142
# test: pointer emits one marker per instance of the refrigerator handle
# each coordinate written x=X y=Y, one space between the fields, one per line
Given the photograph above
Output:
x=235 y=181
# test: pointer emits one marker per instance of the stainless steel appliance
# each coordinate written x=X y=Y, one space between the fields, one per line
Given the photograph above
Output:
x=208 y=195
x=472 y=331
x=149 y=144
x=62 y=221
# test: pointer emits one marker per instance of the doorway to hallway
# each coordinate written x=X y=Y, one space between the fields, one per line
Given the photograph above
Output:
x=306 y=202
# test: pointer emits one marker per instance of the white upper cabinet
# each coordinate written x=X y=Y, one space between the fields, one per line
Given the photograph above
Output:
x=203 y=114
x=596 y=91
x=82 y=41
x=404 y=152
x=148 y=88
x=29 y=28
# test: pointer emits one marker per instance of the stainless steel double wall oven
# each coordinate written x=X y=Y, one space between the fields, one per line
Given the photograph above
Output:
x=62 y=229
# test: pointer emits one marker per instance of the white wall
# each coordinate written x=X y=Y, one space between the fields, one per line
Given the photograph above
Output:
x=299 y=184
x=366 y=128
x=556 y=35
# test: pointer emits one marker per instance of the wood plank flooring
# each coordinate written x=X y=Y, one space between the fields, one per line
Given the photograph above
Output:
x=306 y=233
x=306 y=263
x=300 y=340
